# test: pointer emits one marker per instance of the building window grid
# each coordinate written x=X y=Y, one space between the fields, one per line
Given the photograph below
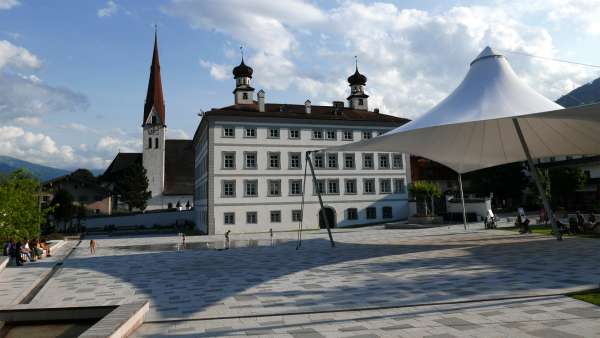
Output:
x=387 y=212
x=332 y=161
x=274 y=188
x=366 y=135
x=273 y=133
x=274 y=160
x=369 y=186
x=317 y=134
x=319 y=187
x=250 y=160
x=352 y=214
x=295 y=187
x=296 y=215
x=399 y=186
x=228 y=132
x=251 y=217
x=368 y=161
x=333 y=187
x=348 y=135
x=319 y=162
x=275 y=216
x=349 y=161
x=228 y=189
x=397 y=161
x=384 y=161
x=229 y=160
x=350 y=186
x=295 y=161
x=229 y=218
x=371 y=213
x=331 y=135
x=385 y=186
x=250 y=133
x=251 y=188
x=294 y=134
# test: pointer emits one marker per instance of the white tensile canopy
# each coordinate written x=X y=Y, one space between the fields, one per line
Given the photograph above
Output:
x=493 y=118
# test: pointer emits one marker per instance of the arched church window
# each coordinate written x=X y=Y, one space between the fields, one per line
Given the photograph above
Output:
x=245 y=96
x=149 y=142
x=156 y=143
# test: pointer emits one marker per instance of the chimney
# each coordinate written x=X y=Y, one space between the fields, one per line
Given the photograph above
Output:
x=261 y=100
x=307 y=106
x=376 y=110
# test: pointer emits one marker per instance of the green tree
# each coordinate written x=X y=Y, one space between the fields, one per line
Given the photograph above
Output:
x=132 y=186
x=564 y=181
x=63 y=208
x=20 y=212
x=425 y=191
x=506 y=182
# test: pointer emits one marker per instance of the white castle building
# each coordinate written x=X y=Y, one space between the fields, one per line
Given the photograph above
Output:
x=249 y=163
x=169 y=163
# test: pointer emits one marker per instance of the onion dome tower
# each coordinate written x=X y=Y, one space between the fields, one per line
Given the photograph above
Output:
x=243 y=92
x=357 y=81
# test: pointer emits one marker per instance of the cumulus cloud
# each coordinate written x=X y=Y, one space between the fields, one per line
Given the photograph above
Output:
x=19 y=57
x=17 y=142
x=110 y=9
x=177 y=134
x=412 y=58
x=111 y=145
x=8 y=4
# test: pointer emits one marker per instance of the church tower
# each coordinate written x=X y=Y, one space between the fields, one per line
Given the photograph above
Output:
x=155 y=128
x=243 y=92
x=357 y=98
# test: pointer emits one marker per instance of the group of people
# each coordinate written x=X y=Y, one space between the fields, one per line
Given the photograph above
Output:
x=23 y=251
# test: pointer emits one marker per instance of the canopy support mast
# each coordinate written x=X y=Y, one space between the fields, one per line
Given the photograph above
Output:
x=462 y=199
x=322 y=210
x=536 y=179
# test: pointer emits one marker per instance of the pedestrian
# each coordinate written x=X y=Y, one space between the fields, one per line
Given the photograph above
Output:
x=17 y=253
x=227 y=239
x=182 y=241
x=92 y=247
x=271 y=233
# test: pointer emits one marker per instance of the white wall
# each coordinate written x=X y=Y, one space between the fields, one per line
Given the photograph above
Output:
x=480 y=208
x=146 y=219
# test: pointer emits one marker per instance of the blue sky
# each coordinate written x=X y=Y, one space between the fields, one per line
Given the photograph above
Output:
x=73 y=74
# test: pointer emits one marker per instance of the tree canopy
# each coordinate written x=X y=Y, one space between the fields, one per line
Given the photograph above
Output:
x=20 y=212
x=426 y=191
x=132 y=187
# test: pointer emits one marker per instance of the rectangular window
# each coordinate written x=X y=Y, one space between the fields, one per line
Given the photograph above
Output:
x=348 y=135
x=319 y=163
x=397 y=162
x=275 y=216
x=388 y=212
x=229 y=218
x=228 y=189
x=399 y=187
x=367 y=161
x=273 y=133
x=332 y=161
x=366 y=135
x=250 y=133
x=228 y=160
x=371 y=213
x=384 y=161
x=149 y=142
x=352 y=214
x=228 y=132
x=250 y=160
x=317 y=134
x=348 y=161
x=369 y=186
x=251 y=188
x=320 y=187
x=385 y=186
x=295 y=134
x=296 y=215
x=295 y=160
x=274 y=187
x=156 y=143
x=350 y=186
x=331 y=135
x=274 y=162
x=333 y=187
x=295 y=187
x=251 y=217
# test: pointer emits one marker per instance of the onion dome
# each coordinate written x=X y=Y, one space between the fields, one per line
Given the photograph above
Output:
x=357 y=78
x=242 y=70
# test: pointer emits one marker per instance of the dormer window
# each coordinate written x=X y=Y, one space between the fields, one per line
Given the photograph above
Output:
x=360 y=102
x=245 y=96
x=153 y=119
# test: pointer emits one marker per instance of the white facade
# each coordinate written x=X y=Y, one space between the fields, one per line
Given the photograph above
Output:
x=153 y=155
x=233 y=194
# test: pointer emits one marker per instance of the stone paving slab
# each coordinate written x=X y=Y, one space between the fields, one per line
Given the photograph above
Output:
x=16 y=281
x=368 y=268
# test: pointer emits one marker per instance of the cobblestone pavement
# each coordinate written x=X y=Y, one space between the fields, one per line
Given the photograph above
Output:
x=378 y=278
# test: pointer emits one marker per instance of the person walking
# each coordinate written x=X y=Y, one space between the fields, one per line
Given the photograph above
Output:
x=92 y=247
x=17 y=253
x=227 y=239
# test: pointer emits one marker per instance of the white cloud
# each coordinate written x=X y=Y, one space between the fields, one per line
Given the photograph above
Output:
x=8 y=4
x=19 y=57
x=177 y=134
x=111 y=9
x=111 y=145
x=217 y=71
x=41 y=148
x=27 y=121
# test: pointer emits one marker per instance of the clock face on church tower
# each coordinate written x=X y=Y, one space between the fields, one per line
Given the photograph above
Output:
x=152 y=130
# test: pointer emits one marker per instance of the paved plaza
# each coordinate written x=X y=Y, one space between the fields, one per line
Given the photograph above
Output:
x=437 y=282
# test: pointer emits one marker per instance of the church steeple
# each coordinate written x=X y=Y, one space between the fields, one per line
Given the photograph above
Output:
x=154 y=97
x=357 y=98
x=243 y=92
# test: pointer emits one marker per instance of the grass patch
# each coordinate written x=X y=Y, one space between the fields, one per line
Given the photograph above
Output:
x=590 y=296
x=541 y=229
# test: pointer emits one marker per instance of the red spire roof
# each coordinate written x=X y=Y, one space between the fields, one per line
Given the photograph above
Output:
x=154 y=97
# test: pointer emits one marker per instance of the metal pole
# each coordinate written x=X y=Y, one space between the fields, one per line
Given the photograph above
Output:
x=462 y=199
x=536 y=179
x=314 y=177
